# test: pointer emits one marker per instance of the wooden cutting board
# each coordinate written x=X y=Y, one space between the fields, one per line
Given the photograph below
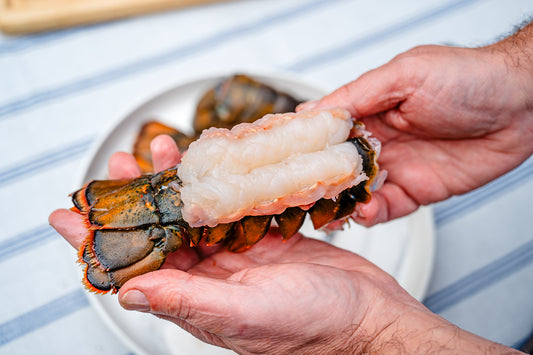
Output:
x=27 y=16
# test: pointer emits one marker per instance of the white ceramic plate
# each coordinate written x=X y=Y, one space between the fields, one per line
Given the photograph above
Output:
x=404 y=248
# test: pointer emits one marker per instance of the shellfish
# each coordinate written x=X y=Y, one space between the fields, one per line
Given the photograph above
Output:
x=228 y=188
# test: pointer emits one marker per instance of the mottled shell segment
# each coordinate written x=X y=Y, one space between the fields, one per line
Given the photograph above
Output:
x=234 y=100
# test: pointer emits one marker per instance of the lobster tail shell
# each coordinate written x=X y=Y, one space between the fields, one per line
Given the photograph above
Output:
x=128 y=225
x=111 y=257
x=134 y=224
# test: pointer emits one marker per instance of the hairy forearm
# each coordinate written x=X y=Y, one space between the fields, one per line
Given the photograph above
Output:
x=513 y=59
x=518 y=48
x=427 y=333
x=516 y=51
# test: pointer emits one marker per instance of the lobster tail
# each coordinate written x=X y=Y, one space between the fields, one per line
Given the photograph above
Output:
x=219 y=193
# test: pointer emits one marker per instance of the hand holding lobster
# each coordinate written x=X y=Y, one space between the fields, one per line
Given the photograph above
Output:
x=450 y=120
x=298 y=296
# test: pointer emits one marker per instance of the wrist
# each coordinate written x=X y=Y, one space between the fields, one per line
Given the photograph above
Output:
x=512 y=62
x=516 y=54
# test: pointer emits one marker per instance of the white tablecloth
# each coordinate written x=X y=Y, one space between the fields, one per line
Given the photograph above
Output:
x=60 y=91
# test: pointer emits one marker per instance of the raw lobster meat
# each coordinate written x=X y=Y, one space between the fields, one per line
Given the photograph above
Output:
x=228 y=188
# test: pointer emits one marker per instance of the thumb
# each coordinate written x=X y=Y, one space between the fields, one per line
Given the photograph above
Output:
x=376 y=91
x=165 y=152
x=202 y=302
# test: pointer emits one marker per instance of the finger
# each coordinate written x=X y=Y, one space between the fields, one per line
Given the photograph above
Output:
x=388 y=203
x=203 y=335
x=269 y=250
x=309 y=105
x=123 y=166
x=165 y=153
x=375 y=91
x=203 y=302
x=70 y=225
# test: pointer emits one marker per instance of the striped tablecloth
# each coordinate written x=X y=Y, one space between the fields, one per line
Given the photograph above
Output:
x=60 y=91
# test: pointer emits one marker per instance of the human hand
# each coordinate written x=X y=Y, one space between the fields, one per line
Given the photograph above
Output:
x=449 y=119
x=299 y=296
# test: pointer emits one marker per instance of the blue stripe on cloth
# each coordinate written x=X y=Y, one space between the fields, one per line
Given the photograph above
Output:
x=380 y=35
x=42 y=316
x=18 y=44
x=21 y=43
x=481 y=278
x=25 y=241
x=149 y=63
x=45 y=160
x=456 y=206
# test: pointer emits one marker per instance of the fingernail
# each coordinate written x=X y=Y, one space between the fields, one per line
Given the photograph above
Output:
x=135 y=300
x=359 y=210
x=309 y=105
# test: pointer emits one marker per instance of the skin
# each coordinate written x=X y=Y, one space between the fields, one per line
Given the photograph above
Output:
x=450 y=120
